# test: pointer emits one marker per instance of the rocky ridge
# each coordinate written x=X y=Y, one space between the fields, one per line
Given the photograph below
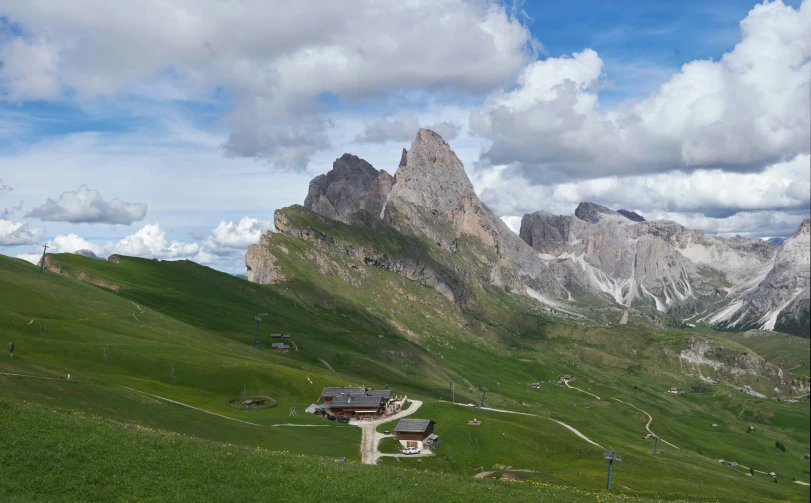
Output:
x=597 y=255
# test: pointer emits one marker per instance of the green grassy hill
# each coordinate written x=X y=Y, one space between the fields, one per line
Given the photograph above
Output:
x=206 y=330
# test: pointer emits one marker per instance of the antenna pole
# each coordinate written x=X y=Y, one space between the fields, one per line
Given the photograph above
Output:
x=610 y=464
x=42 y=262
x=255 y=332
x=655 y=443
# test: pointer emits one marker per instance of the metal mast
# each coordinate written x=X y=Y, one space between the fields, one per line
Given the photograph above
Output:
x=611 y=456
x=256 y=330
x=42 y=262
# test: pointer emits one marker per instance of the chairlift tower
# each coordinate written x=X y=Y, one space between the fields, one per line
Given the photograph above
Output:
x=256 y=330
x=42 y=262
x=655 y=443
x=484 y=392
x=611 y=456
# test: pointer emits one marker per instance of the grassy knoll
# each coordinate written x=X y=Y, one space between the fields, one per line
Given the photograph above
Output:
x=206 y=331
x=50 y=455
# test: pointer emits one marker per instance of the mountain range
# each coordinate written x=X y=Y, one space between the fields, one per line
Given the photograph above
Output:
x=595 y=261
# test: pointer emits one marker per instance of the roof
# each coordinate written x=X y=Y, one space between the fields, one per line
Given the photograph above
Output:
x=733 y=464
x=673 y=388
x=279 y=345
x=340 y=402
x=567 y=376
x=276 y=336
x=432 y=436
x=342 y=390
x=384 y=393
x=413 y=425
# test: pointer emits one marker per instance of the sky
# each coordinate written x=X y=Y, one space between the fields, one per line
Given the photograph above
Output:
x=174 y=130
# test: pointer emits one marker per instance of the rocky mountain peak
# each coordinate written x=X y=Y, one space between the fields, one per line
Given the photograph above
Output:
x=631 y=215
x=804 y=229
x=431 y=176
x=593 y=212
x=351 y=186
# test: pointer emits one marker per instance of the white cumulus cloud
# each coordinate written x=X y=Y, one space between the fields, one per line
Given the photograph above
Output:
x=18 y=233
x=276 y=59
x=88 y=206
x=750 y=108
x=238 y=235
x=224 y=248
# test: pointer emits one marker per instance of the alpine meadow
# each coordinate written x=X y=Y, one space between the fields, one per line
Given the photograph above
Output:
x=492 y=251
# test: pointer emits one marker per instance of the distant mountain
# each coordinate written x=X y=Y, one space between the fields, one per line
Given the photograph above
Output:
x=631 y=215
x=88 y=254
x=775 y=241
x=427 y=224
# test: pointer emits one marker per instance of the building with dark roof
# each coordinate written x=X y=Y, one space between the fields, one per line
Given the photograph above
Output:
x=358 y=405
x=280 y=347
x=356 y=401
x=415 y=432
x=329 y=393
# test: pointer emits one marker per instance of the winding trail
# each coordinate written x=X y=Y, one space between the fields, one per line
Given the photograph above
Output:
x=582 y=391
x=38 y=377
x=568 y=427
x=303 y=425
x=327 y=364
x=371 y=438
x=190 y=406
x=650 y=420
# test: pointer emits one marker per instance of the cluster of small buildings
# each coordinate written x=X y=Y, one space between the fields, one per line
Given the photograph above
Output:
x=280 y=346
x=356 y=403
x=564 y=379
x=675 y=391
x=417 y=433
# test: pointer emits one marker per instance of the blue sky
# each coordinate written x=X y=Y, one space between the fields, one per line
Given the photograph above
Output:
x=214 y=124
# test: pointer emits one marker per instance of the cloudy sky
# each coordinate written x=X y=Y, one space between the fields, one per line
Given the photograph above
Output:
x=175 y=129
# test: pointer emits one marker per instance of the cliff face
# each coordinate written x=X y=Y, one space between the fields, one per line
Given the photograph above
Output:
x=597 y=254
x=782 y=300
x=351 y=186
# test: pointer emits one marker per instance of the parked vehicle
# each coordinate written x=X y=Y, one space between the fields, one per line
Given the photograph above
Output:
x=343 y=420
x=411 y=450
x=331 y=418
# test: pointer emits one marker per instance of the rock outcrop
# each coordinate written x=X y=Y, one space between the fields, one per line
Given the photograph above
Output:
x=88 y=254
x=631 y=215
x=351 y=186
x=779 y=297
x=604 y=256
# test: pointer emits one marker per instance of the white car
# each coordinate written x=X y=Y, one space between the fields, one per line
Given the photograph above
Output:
x=411 y=450
x=472 y=404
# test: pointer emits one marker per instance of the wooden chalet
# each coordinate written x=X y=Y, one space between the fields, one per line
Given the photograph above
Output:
x=356 y=401
x=280 y=347
x=415 y=432
x=329 y=393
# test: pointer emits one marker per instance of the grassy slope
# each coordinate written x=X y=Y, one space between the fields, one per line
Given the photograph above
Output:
x=208 y=324
x=78 y=457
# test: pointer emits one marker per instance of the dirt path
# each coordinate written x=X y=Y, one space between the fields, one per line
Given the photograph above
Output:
x=37 y=377
x=190 y=406
x=303 y=425
x=371 y=438
x=568 y=427
x=327 y=364
x=650 y=420
x=582 y=391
